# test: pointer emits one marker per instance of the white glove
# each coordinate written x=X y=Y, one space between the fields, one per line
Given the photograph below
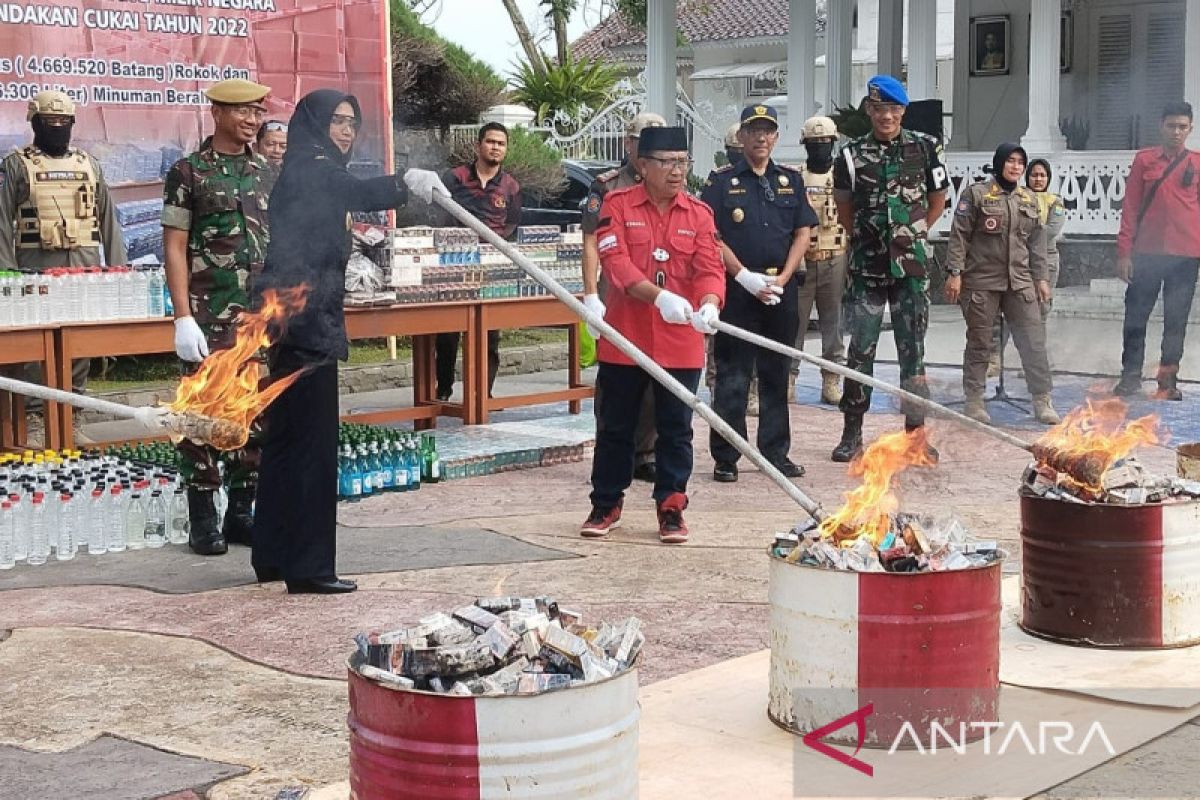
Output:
x=151 y=416
x=673 y=308
x=703 y=319
x=424 y=184
x=756 y=283
x=597 y=307
x=190 y=344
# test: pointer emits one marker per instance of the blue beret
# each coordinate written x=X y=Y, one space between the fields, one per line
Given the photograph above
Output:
x=887 y=89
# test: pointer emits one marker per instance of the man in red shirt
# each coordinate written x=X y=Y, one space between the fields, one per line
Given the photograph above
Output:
x=658 y=246
x=1158 y=248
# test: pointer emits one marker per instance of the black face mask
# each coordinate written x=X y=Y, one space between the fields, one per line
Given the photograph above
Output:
x=53 y=140
x=820 y=155
x=734 y=156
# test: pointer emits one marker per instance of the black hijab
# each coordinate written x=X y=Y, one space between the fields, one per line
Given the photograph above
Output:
x=308 y=131
x=1045 y=165
x=1002 y=153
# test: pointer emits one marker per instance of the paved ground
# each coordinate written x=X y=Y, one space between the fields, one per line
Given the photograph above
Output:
x=157 y=674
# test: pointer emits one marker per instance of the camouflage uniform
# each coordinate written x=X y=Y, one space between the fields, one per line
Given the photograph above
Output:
x=221 y=201
x=889 y=185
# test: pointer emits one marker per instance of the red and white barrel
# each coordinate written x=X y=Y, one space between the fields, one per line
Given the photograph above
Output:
x=885 y=650
x=572 y=744
x=1111 y=576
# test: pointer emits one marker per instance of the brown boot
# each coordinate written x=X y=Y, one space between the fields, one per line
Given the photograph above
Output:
x=994 y=365
x=831 y=388
x=1043 y=410
x=976 y=410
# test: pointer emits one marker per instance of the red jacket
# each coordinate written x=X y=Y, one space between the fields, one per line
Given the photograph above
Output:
x=630 y=230
x=1172 y=223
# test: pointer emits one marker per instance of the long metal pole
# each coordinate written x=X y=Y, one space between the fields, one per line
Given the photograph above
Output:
x=628 y=348
x=875 y=383
x=69 y=398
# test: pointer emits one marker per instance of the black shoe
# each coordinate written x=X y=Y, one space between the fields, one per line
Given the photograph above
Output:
x=647 y=472
x=204 y=538
x=1128 y=386
x=725 y=472
x=931 y=452
x=332 y=585
x=850 y=447
x=443 y=395
x=790 y=469
x=1168 y=389
x=239 y=517
x=267 y=574
x=1169 y=393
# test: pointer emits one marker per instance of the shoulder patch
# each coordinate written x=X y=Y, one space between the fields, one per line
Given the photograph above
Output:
x=723 y=168
x=788 y=167
x=593 y=203
x=611 y=175
x=1059 y=210
x=963 y=208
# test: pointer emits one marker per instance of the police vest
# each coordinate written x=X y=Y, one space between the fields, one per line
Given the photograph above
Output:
x=60 y=211
x=829 y=237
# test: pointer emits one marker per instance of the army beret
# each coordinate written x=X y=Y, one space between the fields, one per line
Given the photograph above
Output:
x=886 y=89
x=237 y=90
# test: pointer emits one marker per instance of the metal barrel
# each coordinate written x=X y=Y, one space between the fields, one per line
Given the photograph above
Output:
x=879 y=659
x=572 y=744
x=1111 y=576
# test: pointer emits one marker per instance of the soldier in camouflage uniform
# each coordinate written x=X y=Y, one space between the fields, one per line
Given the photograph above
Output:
x=890 y=187
x=215 y=238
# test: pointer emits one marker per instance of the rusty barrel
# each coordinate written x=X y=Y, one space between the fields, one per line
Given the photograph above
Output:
x=897 y=652
x=1111 y=576
x=573 y=744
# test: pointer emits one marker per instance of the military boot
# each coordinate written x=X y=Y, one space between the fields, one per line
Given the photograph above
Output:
x=205 y=539
x=977 y=410
x=931 y=452
x=1043 y=410
x=831 y=388
x=239 y=517
x=1168 y=387
x=851 y=444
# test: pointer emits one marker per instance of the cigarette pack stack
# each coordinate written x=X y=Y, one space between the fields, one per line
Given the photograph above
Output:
x=412 y=250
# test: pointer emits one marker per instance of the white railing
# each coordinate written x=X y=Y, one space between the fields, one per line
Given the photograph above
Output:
x=1091 y=184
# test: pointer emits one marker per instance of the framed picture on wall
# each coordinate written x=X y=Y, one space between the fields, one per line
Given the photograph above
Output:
x=991 y=45
x=1066 y=38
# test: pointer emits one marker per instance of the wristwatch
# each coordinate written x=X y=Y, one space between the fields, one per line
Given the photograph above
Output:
x=955 y=272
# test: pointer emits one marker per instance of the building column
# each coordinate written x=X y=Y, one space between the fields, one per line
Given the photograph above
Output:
x=802 y=55
x=1043 y=134
x=890 y=38
x=661 y=58
x=1191 y=65
x=839 y=49
x=922 y=49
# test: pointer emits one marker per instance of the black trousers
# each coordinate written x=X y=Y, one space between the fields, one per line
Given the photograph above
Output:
x=446 y=348
x=619 y=392
x=737 y=362
x=1175 y=276
x=295 y=517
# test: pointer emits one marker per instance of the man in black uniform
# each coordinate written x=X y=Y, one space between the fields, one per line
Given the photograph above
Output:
x=763 y=216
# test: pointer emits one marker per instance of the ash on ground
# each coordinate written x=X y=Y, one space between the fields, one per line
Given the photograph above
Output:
x=500 y=646
x=913 y=543
x=1125 y=483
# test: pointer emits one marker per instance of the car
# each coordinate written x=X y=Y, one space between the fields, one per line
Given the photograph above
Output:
x=566 y=208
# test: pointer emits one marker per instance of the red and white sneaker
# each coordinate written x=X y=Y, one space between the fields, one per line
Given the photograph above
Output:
x=601 y=521
x=671 y=527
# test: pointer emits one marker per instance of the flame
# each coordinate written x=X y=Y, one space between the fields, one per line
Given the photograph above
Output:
x=869 y=507
x=1093 y=437
x=226 y=386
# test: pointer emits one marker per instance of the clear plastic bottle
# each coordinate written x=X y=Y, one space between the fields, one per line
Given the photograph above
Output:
x=157 y=284
x=115 y=520
x=6 y=300
x=20 y=507
x=39 y=545
x=79 y=287
x=141 y=293
x=43 y=302
x=94 y=299
x=94 y=514
x=156 y=520
x=111 y=292
x=68 y=544
x=56 y=281
x=180 y=523
x=135 y=519
x=7 y=539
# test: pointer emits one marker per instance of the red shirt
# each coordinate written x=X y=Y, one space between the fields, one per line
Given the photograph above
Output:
x=630 y=231
x=1172 y=223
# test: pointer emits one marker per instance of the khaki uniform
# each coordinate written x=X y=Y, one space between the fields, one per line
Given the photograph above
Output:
x=998 y=241
x=826 y=266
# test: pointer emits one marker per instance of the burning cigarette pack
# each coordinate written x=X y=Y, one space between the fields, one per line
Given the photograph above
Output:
x=500 y=645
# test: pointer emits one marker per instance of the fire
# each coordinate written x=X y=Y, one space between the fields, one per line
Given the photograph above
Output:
x=869 y=507
x=1092 y=438
x=226 y=386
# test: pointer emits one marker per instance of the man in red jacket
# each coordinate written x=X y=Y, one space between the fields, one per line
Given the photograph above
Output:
x=1158 y=249
x=658 y=246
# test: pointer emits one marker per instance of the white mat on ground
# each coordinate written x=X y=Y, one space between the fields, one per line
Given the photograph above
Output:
x=1168 y=678
x=706 y=734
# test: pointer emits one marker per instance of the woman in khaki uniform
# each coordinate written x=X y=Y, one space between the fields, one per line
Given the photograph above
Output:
x=997 y=262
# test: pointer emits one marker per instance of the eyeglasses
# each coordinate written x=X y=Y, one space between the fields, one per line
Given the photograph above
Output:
x=886 y=109
x=760 y=132
x=765 y=185
x=247 y=112
x=275 y=125
x=344 y=121
x=673 y=164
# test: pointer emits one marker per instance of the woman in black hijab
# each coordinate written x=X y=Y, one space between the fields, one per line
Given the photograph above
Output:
x=296 y=512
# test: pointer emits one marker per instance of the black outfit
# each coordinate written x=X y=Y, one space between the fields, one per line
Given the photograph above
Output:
x=1176 y=277
x=295 y=523
x=757 y=217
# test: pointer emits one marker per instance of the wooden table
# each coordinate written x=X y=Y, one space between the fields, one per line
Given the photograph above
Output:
x=20 y=346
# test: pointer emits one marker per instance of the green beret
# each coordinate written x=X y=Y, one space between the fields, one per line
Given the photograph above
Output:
x=237 y=90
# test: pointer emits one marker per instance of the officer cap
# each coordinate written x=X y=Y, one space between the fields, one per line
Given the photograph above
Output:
x=731 y=139
x=819 y=128
x=50 y=102
x=662 y=139
x=237 y=90
x=886 y=89
x=646 y=119
x=751 y=113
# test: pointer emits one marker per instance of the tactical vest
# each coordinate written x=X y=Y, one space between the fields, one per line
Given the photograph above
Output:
x=829 y=237
x=60 y=211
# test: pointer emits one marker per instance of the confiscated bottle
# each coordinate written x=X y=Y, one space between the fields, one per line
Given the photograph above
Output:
x=20 y=508
x=180 y=522
x=115 y=520
x=156 y=520
x=68 y=544
x=413 y=461
x=92 y=535
x=135 y=519
x=365 y=470
x=7 y=544
x=400 y=464
x=39 y=544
